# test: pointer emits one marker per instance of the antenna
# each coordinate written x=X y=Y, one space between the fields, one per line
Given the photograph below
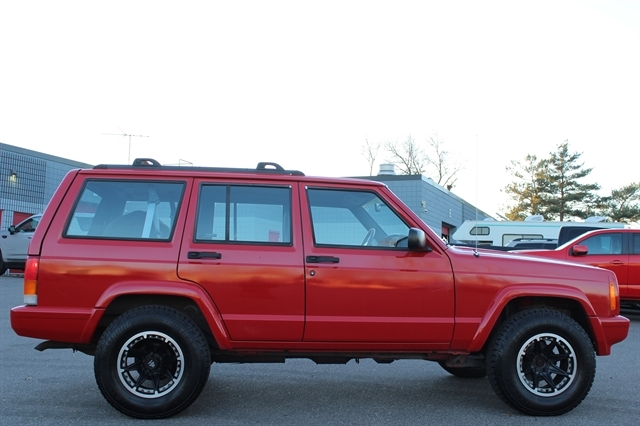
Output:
x=123 y=134
x=475 y=250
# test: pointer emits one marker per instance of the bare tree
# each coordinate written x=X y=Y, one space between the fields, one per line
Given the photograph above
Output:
x=445 y=170
x=408 y=156
x=370 y=152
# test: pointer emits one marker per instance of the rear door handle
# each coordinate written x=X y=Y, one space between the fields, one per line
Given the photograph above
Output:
x=617 y=262
x=204 y=255
x=323 y=259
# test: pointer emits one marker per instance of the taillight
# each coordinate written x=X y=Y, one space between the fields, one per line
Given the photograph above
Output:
x=31 y=280
x=613 y=297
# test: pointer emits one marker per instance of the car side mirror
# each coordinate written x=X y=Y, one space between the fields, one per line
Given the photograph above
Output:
x=417 y=240
x=11 y=229
x=579 y=250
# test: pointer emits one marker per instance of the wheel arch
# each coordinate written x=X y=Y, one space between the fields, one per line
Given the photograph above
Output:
x=186 y=298
x=576 y=306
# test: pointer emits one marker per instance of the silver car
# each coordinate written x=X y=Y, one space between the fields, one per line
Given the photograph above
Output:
x=14 y=243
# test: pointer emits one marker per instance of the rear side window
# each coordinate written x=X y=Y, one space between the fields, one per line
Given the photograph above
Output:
x=112 y=209
x=248 y=214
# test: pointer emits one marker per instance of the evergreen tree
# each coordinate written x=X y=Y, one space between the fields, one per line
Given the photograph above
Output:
x=564 y=196
x=526 y=191
x=623 y=205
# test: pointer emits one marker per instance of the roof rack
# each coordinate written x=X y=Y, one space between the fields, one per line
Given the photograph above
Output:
x=262 y=167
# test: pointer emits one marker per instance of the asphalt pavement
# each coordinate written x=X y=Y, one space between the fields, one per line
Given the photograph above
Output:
x=58 y=387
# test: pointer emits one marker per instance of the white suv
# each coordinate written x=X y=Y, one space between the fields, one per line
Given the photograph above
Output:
x=14 y=243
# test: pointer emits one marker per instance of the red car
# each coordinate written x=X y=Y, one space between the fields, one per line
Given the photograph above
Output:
x=617 y=250
x=159 y=271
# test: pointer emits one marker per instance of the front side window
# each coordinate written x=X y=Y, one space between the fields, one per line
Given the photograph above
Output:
x=28 y=225
x=250 y=214
x=126 y=210
x=353 y=218
x=604 y=244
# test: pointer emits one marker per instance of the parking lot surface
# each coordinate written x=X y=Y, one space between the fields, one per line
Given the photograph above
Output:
x=58 y=387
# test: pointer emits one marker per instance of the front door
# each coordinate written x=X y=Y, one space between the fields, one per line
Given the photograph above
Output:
x=362 y=282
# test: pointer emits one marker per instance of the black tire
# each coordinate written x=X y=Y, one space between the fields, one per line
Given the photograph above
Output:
x=152 y=362
x=465 y=372
x=3 y=269
x=541 y=363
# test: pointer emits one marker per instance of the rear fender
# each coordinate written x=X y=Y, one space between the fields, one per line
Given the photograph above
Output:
x=173 y=288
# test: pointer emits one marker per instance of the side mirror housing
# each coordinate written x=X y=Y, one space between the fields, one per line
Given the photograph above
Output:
x=11 y=229
x=417 y=240
x=579 y=250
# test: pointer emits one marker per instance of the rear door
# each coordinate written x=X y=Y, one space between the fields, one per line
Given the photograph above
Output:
x=363 y=284
x=242 y=243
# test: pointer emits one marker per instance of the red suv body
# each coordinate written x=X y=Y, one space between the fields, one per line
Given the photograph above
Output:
x=617 y=250
x=160 y=271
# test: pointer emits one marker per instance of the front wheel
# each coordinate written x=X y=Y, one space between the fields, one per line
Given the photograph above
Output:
x=3 y=268
x=541 y=362
x=152 y=362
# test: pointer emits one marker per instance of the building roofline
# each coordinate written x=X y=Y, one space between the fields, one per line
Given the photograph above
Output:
x=428 y=180
x=43 y=156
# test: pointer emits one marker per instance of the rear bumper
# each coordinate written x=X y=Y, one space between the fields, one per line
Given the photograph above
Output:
x=61 y=325
x=609 y=331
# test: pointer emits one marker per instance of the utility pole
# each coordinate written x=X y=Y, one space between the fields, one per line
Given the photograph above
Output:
x=123 y=134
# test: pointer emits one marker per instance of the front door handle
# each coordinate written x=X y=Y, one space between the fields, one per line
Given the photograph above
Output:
x=204 y=255
x=323 y=259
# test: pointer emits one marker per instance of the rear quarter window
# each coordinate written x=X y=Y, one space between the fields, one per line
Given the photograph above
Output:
x=120 y=209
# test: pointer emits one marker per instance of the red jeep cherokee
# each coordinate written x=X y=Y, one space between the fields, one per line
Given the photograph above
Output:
x=159 y=271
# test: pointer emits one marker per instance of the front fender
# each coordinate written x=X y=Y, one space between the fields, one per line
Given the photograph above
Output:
x=478 y=331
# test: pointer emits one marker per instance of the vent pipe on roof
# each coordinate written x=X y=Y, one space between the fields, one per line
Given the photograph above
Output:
x=387 y=169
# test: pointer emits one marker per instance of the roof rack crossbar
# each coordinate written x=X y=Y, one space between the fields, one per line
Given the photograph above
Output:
x=262 y=167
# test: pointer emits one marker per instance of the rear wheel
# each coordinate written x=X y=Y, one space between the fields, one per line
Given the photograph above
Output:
x=152 y=362
x=541 y=363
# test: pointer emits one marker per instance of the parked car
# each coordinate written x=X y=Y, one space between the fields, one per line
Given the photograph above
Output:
x=533 y=243
x=14 y=243
x=617 y=250
x=158 y=271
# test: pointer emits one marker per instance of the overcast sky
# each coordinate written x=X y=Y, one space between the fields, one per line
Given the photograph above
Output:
x=306 y=83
